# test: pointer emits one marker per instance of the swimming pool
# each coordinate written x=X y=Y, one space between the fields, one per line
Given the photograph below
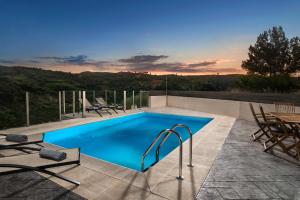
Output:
x=123 y=140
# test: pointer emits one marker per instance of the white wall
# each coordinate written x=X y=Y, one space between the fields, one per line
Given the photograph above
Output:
x=237 y=109
x=222 y=107
x=157 y=101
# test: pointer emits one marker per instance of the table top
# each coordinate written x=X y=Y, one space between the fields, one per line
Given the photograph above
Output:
x=287 y=117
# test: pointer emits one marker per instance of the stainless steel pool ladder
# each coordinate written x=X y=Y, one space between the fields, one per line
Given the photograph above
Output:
x=167 y=133
x=190 y=146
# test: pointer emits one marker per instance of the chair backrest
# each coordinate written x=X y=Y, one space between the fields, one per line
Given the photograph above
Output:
x=285 y=107
x=101 y=101
x=264 y=117
x=87 y=103
x=279 y=123
x=254 y=114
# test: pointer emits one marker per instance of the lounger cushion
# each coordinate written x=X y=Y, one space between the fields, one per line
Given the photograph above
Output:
x=16 y=138
x=52 y=155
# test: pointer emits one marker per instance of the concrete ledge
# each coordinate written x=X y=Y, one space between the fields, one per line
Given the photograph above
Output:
x=236 y=109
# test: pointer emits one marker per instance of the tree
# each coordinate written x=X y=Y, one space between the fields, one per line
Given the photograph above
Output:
x=273 y=54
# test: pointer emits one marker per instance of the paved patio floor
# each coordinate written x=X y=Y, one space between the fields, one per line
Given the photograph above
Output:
x=237 y=170
x=31 y=185
x=243 y=171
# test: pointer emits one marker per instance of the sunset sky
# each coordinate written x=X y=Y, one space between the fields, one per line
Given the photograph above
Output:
x=157 y=36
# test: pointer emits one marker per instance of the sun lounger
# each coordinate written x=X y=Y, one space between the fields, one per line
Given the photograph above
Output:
x=115 y=107
x=34 y=162
x=96 y=108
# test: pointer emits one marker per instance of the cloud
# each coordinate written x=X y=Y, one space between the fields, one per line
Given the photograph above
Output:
x=137 y=63
x=145 y=67
x=34 y=61
x=78 y=60
x=73 y=60
x=7 y=61
x=151 y=63
x=146 y=63
x=143 y=59
x=203 y=64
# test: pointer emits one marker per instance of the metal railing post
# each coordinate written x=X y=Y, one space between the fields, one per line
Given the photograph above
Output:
x=83 y=103
x=64 y=101
x=166 y=90
x=74 y=104
x=148 y=99
x=59 y=105
x=115 y=97
x=140 y=98
x=27 y=109
x=94 y=96
x=105 y=95
x=79 y=101
x=124 y=99
x=132 y=107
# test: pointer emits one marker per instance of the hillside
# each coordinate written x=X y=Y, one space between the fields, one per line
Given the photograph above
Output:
x=43 y=86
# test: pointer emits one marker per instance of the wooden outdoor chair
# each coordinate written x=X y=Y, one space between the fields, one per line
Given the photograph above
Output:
x=296 y=145
x=279 y=136
x=262 y=131
x=284 y=107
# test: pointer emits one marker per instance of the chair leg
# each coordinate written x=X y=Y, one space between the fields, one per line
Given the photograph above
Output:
x=264 y=132
x=114 y=110
x=277 y=142
x=97 y=111
x=39 y=169
x=108 y=112
x=280 y=143
x=255 y=133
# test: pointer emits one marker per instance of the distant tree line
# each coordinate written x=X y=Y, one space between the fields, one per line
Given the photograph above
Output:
x=44 y=85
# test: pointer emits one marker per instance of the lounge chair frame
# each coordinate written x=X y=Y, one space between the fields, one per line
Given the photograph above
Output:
x=42 y=168
x=97 y=108
x=114 y=107
x=17 y=144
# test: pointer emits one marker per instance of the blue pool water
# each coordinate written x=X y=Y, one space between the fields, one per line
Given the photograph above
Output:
x=123 y=140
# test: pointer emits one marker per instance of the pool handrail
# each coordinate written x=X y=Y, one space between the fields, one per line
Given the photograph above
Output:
x=190 y=146
x=168 y=131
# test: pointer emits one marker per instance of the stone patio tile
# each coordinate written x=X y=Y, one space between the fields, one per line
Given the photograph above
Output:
x=228 y=193
x=209 y=194
x=155 y=197
x=30 y=185
x=294 y=183
x=92 y=183
x=243 y=171
x=195 y=175
x=123 y=191
x=282 y=190
x=248 y=190
x=174 y=189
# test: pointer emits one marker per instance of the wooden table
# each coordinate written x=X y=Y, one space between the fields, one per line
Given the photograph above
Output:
x=287 y=117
